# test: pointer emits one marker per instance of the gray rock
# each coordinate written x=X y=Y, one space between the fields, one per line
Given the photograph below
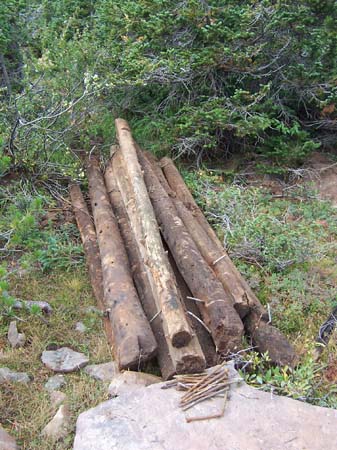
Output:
x=64 y=360
x=9 y=376
x=150 y=419
x=54 y=383
x=6 y=441
x=59 y=427
x=57 y=398
x=44 y=306
x=80 y=327
x=15 y=338
x=129 y=381
x=102 y=372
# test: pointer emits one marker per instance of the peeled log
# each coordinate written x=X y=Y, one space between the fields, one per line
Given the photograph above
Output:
x=133 y=338
x=89 y=240
x=172 y=360
x=215 y=306
x=144 y=225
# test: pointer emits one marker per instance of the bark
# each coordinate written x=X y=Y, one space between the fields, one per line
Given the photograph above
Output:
x=89 y=240
x=215 y=307
x=244 y=297
x=133 y=337
x=172 y=360
x=143 y=222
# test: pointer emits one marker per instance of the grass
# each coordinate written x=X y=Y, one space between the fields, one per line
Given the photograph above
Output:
x=25 y=410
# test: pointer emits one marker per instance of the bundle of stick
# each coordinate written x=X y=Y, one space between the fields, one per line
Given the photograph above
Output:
x=162 y=278
x=202 y=387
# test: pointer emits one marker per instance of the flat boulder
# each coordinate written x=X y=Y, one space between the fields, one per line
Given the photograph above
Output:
x=64 y=360
x=150 y=418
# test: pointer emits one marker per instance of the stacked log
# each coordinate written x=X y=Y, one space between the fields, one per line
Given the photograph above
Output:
x=165 y=283
x=133 y=337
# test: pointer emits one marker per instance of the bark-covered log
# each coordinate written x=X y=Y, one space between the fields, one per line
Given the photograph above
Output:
x=143 y=222
x=172 y=360
x=264 y=336
x=89 y=239
x=244 y=297
x=215 y=306
x=132 y=334
x=269 y=339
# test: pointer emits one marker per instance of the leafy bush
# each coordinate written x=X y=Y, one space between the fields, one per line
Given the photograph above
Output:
x=302 y=383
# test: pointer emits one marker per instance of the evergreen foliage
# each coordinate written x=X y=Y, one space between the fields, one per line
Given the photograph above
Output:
x=199 y=78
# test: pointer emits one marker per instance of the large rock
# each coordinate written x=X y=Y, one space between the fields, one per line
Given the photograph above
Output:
x=6 y=441
x=150 y=419
x=64 y=360
x=102 y=372
x=9 y=376
x=129 y=381
x=15 y=338
x=59 y=427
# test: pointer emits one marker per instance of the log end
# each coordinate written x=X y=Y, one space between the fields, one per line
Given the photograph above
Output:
x=135 y=350
x=191 y=364
x=181 y=339
x=269 y=339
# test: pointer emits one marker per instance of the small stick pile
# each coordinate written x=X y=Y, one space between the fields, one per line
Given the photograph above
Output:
x=202 y=387
x=160 y=275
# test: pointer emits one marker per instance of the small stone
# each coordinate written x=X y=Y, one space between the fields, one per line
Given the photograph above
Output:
x=54 y=383
x=44 y=306
x=64 y=360
x=59 y=427
x=131 y=381
x=7 y=442
x=9 y=376
x=102 y=372
x=80 y=327
x=56 y=398
x=15 y=338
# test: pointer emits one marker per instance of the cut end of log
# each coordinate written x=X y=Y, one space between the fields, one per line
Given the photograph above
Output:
x=181 y=339
x=269 y=339
x=191 y=364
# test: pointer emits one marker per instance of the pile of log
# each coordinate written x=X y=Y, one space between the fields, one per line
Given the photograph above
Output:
x=165 y=284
